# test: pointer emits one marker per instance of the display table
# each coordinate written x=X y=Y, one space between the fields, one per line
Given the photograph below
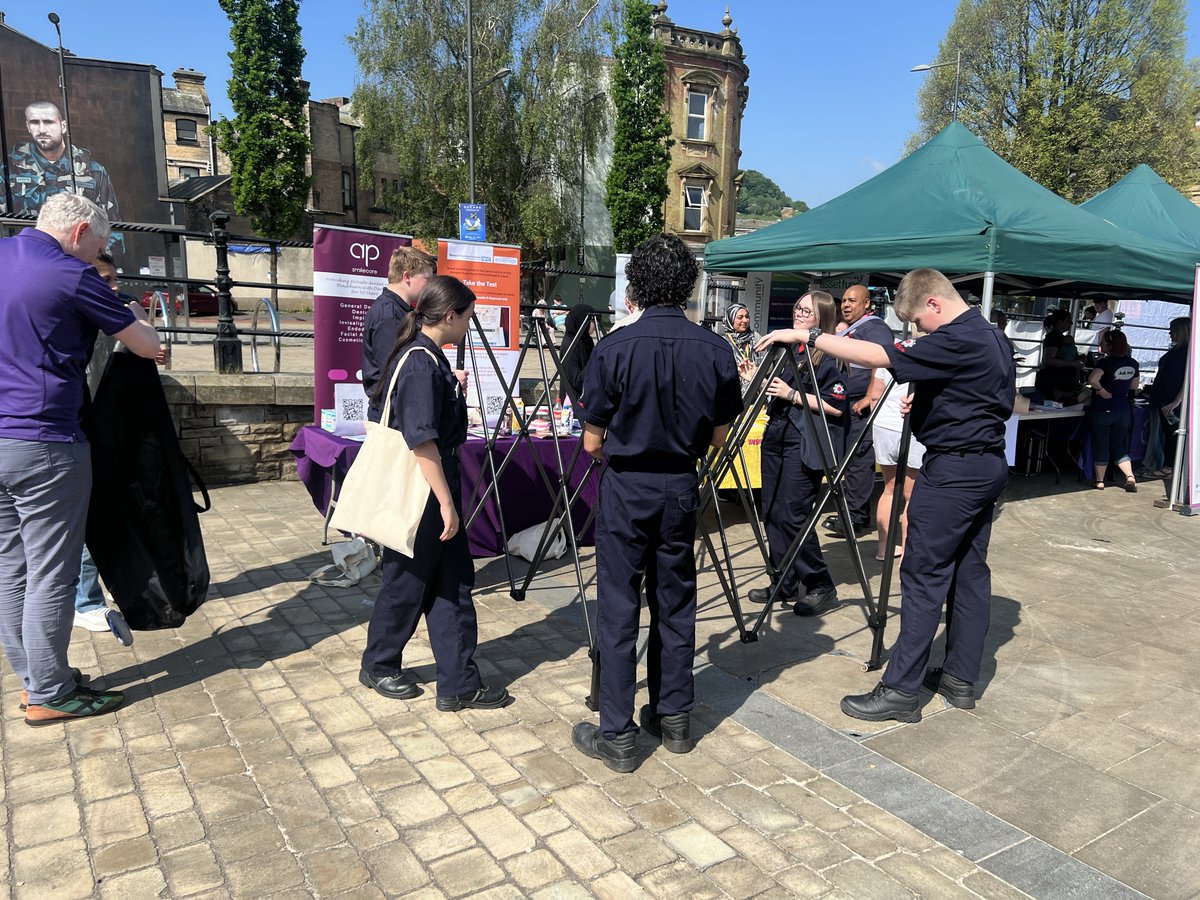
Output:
x=323 y=459
x=1047 y=425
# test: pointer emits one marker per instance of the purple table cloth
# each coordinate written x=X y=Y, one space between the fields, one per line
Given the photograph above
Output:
x=323 y=459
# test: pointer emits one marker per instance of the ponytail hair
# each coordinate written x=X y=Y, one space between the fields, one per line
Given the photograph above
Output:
x=442 y=295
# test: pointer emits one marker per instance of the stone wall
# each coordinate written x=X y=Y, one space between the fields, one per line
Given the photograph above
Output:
x=237 y=428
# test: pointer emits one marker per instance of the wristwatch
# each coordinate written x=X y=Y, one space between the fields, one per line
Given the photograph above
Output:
x=813 y=334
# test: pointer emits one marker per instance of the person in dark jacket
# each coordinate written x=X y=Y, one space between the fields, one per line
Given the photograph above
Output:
x=577 y=347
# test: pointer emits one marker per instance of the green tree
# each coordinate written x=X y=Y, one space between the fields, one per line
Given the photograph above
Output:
x=412 y=102
x=760 y=196
x=637 y=182
x=267 y=139
x=1074 y=93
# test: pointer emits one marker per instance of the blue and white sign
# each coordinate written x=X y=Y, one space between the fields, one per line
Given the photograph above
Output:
x=472 y=222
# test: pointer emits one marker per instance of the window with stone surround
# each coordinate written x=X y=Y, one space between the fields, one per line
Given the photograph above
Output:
x=186 y=172
x=185 y=131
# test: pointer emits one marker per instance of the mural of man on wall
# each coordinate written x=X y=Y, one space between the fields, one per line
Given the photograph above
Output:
x=39 y=168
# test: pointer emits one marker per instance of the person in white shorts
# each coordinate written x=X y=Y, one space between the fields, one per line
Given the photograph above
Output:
x=886 y=434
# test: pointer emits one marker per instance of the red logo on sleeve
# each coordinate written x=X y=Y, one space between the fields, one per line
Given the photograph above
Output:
x=902 y=346
x=839 y=390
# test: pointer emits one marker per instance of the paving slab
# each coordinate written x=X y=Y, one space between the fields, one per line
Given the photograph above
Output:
x=250 y=762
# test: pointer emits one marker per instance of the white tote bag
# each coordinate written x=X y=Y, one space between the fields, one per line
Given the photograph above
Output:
x=384 y=495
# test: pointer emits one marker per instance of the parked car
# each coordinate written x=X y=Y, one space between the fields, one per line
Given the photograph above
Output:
x=202 y=301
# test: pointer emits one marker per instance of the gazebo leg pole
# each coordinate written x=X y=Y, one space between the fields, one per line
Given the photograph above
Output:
x=989 y=283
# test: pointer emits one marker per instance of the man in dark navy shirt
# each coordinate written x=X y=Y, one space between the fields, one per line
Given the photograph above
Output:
x=52 y=303
x=656 y=395
x=408 y=272
x=859 y=480
x=964 y=387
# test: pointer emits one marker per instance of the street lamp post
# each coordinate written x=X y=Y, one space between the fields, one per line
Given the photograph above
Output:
x=583 y=175
x=500 y=73
x=62 y=88
x=926 y=67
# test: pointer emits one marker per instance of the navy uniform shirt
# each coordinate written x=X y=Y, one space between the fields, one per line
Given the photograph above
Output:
x=380 y=328
x=964 y=384
x=1117 y=374
x=427 y=404
x=868 y=328
x=831 y=388
x=660 y=386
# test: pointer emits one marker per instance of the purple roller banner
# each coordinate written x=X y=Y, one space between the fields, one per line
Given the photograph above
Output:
x=350 y=268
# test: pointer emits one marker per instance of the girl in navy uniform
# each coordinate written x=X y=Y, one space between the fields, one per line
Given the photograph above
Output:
x=964 y=387
x=656 y=395
x=428 y=408
x=792 y=463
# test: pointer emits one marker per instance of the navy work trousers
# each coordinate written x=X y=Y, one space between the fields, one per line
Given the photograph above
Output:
x=945 y=563
x=436 y=581
x=858 y=483
x=645 y=531
x=789 y=492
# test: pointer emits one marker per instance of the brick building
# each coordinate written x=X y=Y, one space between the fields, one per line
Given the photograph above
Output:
x=186 y=115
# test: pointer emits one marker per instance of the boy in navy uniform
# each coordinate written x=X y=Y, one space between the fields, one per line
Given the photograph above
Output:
x=964 y=387
x=656 y=395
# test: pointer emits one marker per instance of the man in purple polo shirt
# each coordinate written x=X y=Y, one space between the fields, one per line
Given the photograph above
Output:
x=52 y=303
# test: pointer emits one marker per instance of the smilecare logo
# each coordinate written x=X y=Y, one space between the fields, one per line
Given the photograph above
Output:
x=366 y=253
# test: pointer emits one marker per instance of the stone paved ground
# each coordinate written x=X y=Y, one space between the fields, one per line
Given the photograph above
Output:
x=249 y=762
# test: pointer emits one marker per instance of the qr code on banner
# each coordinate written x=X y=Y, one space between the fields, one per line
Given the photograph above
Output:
x=494 y=405
x=354 y=410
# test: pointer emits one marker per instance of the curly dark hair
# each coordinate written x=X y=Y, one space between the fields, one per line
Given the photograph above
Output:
x=662 y=272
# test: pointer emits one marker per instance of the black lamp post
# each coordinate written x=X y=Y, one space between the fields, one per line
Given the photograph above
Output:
x=66 y=110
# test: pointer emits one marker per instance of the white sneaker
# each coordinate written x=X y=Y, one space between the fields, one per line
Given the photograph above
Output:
x=93 y=619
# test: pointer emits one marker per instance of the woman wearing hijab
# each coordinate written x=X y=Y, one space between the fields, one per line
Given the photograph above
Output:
x=742 y=338
x=577 y=345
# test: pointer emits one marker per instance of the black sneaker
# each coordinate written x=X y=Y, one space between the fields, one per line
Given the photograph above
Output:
x=619 y=754
x=814 y=603
x=762 y=595
x=394 y=687
x=79 y=704
x=484 y=698
x=674 y=730
x=883 y=703
x=958 y=693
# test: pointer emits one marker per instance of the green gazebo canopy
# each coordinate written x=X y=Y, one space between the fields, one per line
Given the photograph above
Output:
x=1143 y=202
x=956 y=206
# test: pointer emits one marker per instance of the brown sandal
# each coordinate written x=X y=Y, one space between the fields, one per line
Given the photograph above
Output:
x=1099 y=485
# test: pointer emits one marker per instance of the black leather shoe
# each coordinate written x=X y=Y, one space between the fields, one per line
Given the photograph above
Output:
x=958 y=693
x=816 y=602
x=619 y=754
x=674 y=730
x=395 y=687
x=883 y=703
x=834 y=524
x=484 y=698
x=761 y=595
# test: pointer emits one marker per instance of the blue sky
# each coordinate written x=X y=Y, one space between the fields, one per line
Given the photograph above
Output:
x=832 y=100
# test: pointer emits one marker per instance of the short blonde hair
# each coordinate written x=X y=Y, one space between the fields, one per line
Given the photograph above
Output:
x=918 y=286
x=410 y=260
